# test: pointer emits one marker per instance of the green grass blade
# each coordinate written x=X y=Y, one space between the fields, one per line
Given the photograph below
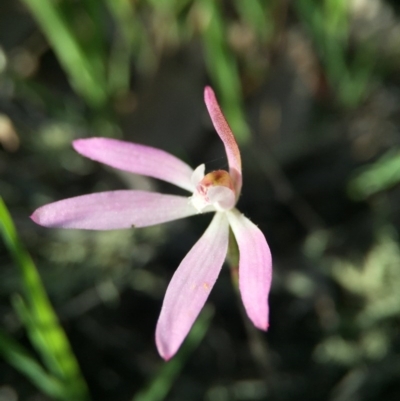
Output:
x=376 y=177
x=162 y=383
x=35 y=335
x=127 y=36
x=19 y=358
x=39 y=315
x=95 y=9
x=84 y=77
x=86 y=20
x=132 y=40
x=257 y=15
x=328 y=23
x=223 y=68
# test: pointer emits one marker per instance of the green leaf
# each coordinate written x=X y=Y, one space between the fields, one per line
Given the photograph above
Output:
x=18 y=357
x=84 y=73
x=38 y=315
x=376 y=177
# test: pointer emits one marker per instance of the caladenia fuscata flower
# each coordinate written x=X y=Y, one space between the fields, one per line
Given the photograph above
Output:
x=217 y=192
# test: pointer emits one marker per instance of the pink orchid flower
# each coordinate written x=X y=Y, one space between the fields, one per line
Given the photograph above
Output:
x=217 y=192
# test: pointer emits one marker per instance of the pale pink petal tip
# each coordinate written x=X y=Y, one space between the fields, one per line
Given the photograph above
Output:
x=77 y=144
x=255 y=268
x=35 y=217
x=209 y=95
x=261 y=323
x=190 y=286
x=113 y=210
x=137 y=159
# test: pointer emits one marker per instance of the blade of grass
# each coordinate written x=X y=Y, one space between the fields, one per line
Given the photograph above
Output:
x=328 y=24
x=86 y=20
x=376 y=177
x=223 y=68
x=19 y=358
x=43 y=321
x=162 y=383
x=125 y=42
x=258 y=16
x=84 y=77
x=35 y=334
x=132 y=39
x=95 y=9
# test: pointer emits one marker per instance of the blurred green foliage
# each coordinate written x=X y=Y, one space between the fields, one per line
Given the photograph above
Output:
x=100 y=72
x=64 y=380
x=99 y=66
x=376 y=177
x=329 y=25
x=367 y=331
x=107 y=48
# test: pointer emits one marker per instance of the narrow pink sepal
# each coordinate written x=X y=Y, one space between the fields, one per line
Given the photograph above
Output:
x=113 y=210
x=138 y=159
x=255 y=268
x=190 y=286
x=227 y=137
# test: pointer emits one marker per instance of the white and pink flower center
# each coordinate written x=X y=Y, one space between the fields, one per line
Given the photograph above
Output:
x=215 y=190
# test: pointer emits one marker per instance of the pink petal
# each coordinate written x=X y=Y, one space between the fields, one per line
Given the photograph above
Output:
x=226 y=135
x=113 y=210
x=138 y=159
x=190 y=286
x=255 y=268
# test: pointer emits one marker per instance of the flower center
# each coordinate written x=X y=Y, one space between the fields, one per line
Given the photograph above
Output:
x=214 y=189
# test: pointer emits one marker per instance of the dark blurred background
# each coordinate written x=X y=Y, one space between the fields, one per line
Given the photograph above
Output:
x=311 y=89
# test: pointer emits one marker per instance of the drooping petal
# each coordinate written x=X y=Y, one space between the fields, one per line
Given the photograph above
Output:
x=255 y=268
x=138 y=159
x=114 y=210
x=226 y=135
x=190 y=286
